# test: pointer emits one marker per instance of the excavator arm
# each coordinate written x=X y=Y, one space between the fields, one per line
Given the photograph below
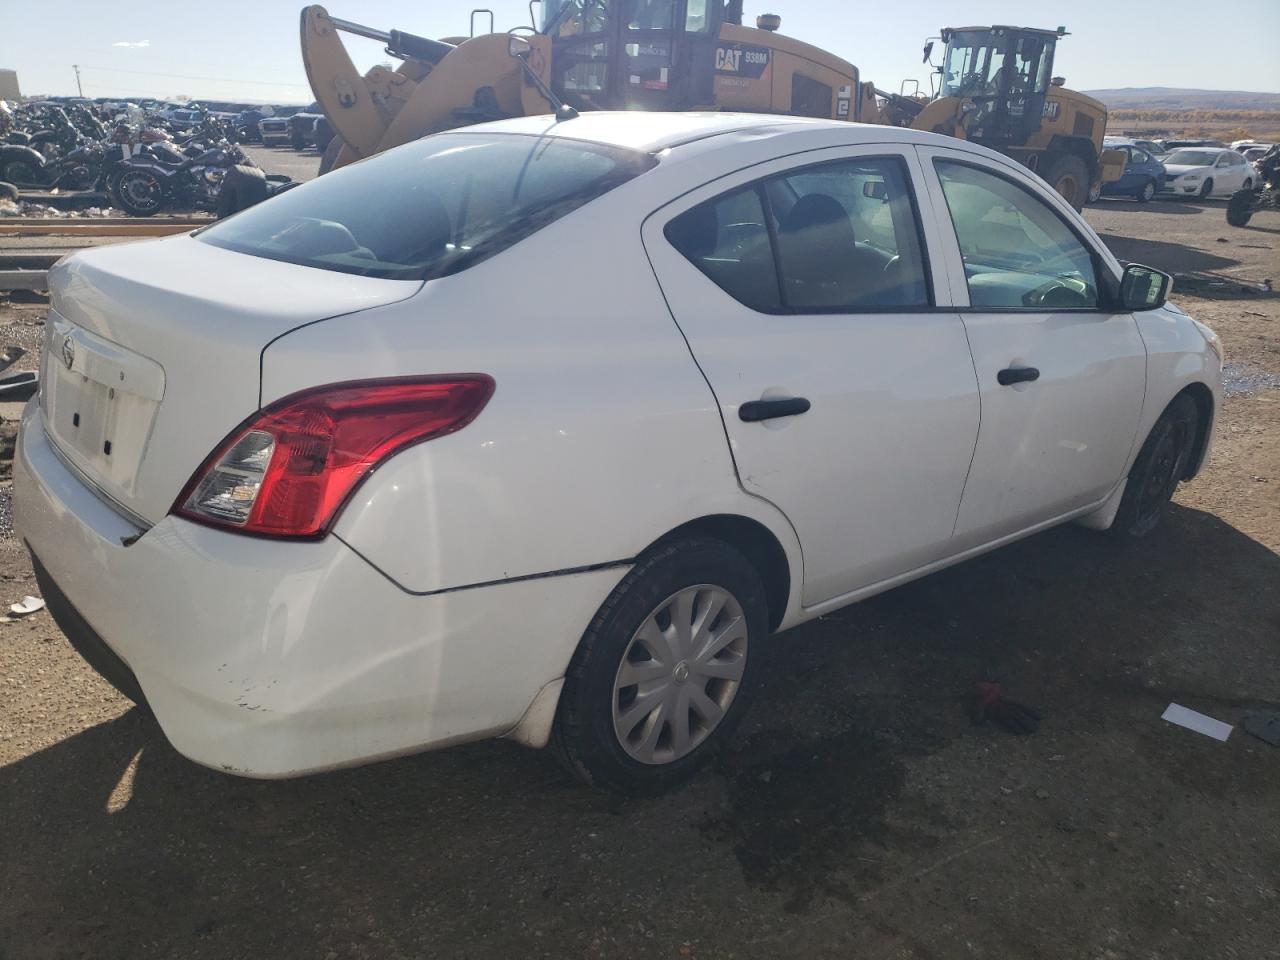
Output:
x=439 y=85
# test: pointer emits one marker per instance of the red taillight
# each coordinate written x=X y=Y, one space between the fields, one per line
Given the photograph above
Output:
x=288 y=470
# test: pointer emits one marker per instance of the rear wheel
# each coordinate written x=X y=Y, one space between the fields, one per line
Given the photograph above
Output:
x=1146 y=193
x=1069 y=175
x=1162 y=462
x=664 y=671
x=139 y=193
x=1205 y=189
x=1240 y=208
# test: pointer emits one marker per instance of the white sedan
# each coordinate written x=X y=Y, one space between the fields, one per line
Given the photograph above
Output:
x=540 y=429
x=1206 y=172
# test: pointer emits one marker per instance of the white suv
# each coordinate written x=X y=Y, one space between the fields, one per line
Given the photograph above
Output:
x=539 y=429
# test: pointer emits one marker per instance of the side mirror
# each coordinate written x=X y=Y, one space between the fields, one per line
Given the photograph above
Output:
x=928 y=51
x=1143 y=288
x=518 y=47
x=875 y=190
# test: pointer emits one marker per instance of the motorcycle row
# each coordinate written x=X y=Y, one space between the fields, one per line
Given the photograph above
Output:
x=144 y=162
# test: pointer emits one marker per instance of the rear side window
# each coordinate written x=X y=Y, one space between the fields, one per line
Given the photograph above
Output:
x=429 y=208
x=728 y=240
x=832 y=238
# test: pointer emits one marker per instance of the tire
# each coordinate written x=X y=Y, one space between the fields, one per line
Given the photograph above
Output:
x=18 y=137
x=8 y=191
x=1240 y=208
x=1247 y=185
x=329 y=155
x=648 y=753
x=1147 y=192
x=1206 y=188
x=1095 y=192
x=1160 y=465
x=139 y=193
x=242 y=187
x=1069 y=175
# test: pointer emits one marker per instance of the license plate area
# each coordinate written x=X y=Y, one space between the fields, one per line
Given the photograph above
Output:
x=99 y=402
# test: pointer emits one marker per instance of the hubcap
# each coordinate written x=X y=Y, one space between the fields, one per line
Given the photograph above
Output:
x=679 y=674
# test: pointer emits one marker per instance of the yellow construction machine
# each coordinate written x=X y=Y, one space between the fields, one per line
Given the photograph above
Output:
x=678 y=55
x=998 y=89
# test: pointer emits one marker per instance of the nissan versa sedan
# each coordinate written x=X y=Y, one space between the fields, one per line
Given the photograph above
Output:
x=540 y=429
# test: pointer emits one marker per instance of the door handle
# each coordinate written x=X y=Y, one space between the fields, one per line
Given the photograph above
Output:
x=753 y=411
x=1011 y=375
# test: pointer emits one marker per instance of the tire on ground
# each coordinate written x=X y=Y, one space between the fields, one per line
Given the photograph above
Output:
x=584 y=738
x=242 y=187
x=1161 y=464
x=1069 y=175
x=1240 y=208
x=8 y=192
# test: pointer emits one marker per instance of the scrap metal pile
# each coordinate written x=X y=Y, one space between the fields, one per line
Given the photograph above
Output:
x=142 y=162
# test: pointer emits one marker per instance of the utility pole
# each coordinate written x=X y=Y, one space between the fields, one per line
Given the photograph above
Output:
x=76 y=68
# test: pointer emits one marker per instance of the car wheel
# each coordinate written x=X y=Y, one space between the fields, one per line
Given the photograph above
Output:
x=1146 y=193
x=1068 y=174
x=1206 y=188
x=663 y=673
x=1160 y=466
x=1095 y=192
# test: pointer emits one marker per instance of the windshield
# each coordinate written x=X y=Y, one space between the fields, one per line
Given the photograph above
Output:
x=1191 y=158
x=979 y=62
x=429 y=208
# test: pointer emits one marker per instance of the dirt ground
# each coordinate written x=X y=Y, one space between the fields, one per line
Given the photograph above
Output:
x=860 y=814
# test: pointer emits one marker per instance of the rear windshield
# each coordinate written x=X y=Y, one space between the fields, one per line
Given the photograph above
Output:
x=429 y=208
x=1192 y=158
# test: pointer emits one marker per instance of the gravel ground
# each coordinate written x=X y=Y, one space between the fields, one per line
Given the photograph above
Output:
x=858 y=815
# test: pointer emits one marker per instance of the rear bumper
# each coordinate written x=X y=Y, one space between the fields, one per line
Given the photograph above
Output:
x=271 y=659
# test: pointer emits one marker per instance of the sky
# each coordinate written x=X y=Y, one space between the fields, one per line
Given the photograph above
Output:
x=248 y=49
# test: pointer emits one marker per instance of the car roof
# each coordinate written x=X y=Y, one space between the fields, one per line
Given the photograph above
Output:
x=652 y=132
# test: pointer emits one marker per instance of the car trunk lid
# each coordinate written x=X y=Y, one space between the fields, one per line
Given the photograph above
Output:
x=153 y=355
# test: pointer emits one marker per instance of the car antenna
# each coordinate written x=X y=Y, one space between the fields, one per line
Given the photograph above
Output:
x=520 y=48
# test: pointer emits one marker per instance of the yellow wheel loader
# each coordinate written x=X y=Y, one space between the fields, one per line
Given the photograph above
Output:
x=587 y=54
x=612 y=55
x=998 y=89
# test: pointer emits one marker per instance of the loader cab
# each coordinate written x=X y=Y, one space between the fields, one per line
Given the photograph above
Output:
x=1006 y=72
x=632 y=54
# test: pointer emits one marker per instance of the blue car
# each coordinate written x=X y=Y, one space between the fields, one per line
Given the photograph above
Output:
x=1143 y=174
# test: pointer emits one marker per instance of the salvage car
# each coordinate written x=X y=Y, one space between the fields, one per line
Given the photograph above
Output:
x=539 y=429
x=1143 y=174
x=1205 y=172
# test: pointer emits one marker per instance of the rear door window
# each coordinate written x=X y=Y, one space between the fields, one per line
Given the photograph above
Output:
x=429 y=208
x=837 y=237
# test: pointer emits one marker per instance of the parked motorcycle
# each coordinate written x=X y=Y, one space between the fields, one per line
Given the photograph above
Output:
x=150 y=183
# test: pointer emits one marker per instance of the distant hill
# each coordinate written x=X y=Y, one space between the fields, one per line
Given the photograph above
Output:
x=1181 y=98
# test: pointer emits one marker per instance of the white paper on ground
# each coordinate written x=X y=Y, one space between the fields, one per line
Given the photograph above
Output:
x=1197 y=721
x=26 y=605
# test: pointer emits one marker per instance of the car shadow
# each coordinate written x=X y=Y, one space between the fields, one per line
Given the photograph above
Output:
x=116 y=846
x=1166 y=256
x=1156 y=205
